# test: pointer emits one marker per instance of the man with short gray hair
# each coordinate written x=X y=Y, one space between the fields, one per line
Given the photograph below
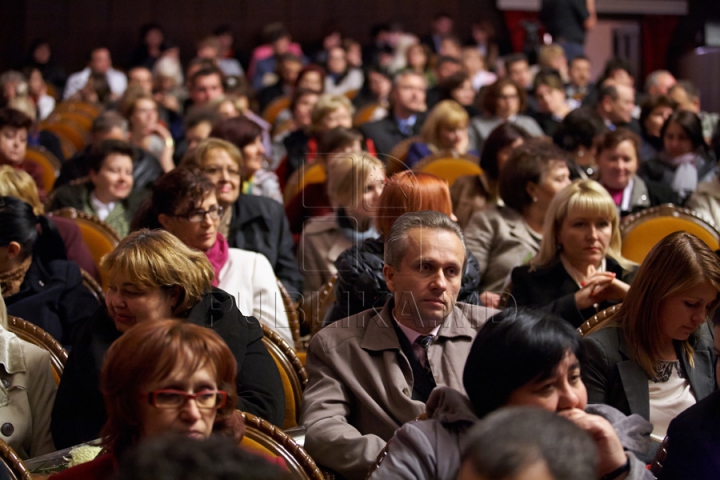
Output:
x=372 y=372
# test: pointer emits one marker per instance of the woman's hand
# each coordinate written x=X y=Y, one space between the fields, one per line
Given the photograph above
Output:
x=490 y=299
x=166 y=159
x=600 y=287
x=610 y=451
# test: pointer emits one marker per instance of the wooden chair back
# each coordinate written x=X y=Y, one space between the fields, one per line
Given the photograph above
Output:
x=302 y=177
x=48 y=162
x=264 y=438
x=83 y=119
x=31 y=333
x=642 y=231
x=69 y=129
x=292 y=311
x=320 y=303
x=395 y=161
x=293 y=374
x=14 y=465
x=72 y=106
x=656 y=467
x=365 y=114
x=449 y=168
x=350 y=94
x=99 y=237
x=597 y=321
x=91 y=284
x=274 y=108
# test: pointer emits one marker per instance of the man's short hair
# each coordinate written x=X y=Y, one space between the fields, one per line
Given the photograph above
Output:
x=407 y=73
x=511 y=439
x=579 y=57
x=199 y=114
x=206 y=72
x=108 y=120
x=653 y=79
x=443 y=59
x=273 y=32
x=215 y=458
x=607 y=91
x=108 y=147
x=9 y=117
x=515 y=58
x=396 y=243
x=693 y=93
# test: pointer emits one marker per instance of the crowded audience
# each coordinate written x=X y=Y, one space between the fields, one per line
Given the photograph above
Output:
x=279 y=228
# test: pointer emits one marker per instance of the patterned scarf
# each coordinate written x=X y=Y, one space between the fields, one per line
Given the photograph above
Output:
x=11 y=281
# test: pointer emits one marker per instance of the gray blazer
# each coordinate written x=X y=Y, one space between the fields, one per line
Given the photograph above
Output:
x=613 y=378
x=501 y=241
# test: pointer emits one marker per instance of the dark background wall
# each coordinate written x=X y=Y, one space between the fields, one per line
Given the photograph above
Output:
x=73 y=27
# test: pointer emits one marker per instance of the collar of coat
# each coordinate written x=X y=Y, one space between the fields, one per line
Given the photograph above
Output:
x=380 y=334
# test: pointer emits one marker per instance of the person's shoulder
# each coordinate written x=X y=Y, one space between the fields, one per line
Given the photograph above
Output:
x=321 y=224
x=377 y=125
x=608 y=338
x=346 y=333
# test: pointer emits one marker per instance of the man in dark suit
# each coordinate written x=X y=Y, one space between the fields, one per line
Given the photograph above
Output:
x=615 y=106
x=406 y=117
x=442 y=26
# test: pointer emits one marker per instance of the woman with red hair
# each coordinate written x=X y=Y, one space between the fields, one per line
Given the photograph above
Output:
x=361 y=284
x=164 y=377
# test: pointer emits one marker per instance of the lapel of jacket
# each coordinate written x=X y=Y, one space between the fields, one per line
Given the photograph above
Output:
x=639 y=196
x=701 y=376
x=518 y=229
x=635 y=383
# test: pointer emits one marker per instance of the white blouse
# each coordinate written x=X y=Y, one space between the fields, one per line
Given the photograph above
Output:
x=670 y=395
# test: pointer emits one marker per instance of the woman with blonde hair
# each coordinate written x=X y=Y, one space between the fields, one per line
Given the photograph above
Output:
x=446 y=128
x=579 y=269
x=249 y=222
x=656 y=357
x=355 y=183
x=153 y=277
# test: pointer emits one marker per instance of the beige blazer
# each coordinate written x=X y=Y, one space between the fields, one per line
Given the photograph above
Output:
x=500 y=240
x=361 y=383
x=27 y=394
x=321 y=244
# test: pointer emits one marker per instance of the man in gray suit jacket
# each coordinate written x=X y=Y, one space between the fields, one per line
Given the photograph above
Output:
x=373 y=371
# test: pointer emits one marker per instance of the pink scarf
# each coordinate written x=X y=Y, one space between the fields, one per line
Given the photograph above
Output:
x=218 y=255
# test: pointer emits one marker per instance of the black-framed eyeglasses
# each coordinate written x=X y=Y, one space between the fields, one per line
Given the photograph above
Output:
x=197 y=216
x=205 y=399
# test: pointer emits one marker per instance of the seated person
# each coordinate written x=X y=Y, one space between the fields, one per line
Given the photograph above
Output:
x=472 y=193
x=579 y=270
x=656 y=358
x=504 y=101
x=618 y=162
x=19 y=184
x=313 y=200
x=109 y=193
x=341 y=77
x=446 y=128
x=541 y=444
x=361 y=284
x=249 y=222
x=163 y=377
x=39 y=285
x=14 y=127
x=184 y=203
x=545 y=376
x=505 y=236
x=458 y=87
x=692 y=435
x=376 y=371
x=110 y=125
x=685 y=160
x=246 y=135
x=293 y=132
x=154 y=276
x=578 y=135
x=36 y=137
x=146 y=132
x=552 y=102
x=653 y=114
x=355 y=183
x=28 y=389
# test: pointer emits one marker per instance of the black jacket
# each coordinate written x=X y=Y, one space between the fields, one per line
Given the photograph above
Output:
x=79 y=410
x=614 y=378
x=146 y=168
x=385 y=133
x=553 y=289
x=694 y=442
x=53 y=297
x=259 y=224
x=361 y=283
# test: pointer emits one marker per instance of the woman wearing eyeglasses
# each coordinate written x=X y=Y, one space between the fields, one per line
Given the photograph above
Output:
x=185 y=204
x=153 y=276
x=163 y=378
